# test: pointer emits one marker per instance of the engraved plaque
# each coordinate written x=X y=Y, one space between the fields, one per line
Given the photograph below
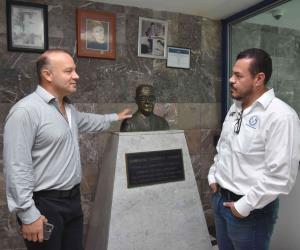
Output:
x=148 y=168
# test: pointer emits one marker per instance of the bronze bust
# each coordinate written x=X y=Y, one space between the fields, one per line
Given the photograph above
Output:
x=144 y=119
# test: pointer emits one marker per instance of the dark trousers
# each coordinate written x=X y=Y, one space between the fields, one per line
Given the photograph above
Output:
x=65 y=213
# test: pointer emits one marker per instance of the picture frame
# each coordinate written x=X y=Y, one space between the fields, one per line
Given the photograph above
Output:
x=178 y=57
x=27 y=26
x=96 y=34
x=152 y=38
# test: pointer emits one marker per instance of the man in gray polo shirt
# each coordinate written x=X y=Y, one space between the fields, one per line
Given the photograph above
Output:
x=41 y=155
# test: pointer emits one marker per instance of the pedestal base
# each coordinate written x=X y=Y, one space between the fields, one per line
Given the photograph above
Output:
x=160 y=216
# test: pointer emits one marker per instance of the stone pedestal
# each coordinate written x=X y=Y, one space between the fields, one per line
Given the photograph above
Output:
x=165 y=216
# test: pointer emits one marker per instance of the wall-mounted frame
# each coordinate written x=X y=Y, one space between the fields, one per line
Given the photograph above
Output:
x=96 y=34
x=152 y=40
x=27 y=26
x=178 y=57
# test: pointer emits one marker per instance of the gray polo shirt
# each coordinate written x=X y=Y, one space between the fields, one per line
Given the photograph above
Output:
x=41 y=150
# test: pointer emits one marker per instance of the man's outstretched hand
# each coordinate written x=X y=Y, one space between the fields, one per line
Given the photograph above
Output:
x=126 y=113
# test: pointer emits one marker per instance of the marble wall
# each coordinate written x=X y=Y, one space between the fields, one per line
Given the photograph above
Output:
x=188 y=99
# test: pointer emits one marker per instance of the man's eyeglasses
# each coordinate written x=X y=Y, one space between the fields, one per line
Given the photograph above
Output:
x=143 y=98
x=238 y=123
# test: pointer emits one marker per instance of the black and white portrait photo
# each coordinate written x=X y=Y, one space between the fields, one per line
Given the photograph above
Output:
x=26 y=26
x=152 y=38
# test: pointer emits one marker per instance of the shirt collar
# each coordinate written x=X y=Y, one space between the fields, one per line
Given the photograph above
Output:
x=265 y=99
x=47 y=97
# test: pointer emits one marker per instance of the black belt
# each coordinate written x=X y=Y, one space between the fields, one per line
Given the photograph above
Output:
x=228 y=195
x=58 y=193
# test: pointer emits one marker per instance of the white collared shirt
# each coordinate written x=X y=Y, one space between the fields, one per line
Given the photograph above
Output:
x=261 y=161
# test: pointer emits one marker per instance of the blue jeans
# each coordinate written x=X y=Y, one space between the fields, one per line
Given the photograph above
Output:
x=250 y=233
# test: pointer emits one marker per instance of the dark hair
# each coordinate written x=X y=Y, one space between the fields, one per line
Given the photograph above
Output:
x=261 y=62
x=43 y=60
x=140 y=87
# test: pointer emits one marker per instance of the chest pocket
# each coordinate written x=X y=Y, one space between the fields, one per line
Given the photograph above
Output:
x=247 y=141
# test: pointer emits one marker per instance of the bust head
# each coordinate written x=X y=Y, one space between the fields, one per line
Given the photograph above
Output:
x=145 y=99
x=144 y=119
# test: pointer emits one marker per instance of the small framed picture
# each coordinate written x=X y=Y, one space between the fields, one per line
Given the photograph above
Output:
x=27 y=26
x=96 y=35
x=178 y=57
x=152 y=41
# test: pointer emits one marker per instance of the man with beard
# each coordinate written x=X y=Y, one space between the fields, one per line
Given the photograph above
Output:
x=257 y=157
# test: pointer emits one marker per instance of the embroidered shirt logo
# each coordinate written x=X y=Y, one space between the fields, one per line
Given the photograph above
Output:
x=253 y=122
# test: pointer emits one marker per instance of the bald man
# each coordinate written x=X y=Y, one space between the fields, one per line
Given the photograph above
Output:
x=42 y=159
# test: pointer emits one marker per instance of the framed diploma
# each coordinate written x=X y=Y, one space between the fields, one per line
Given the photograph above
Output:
x=178 y=57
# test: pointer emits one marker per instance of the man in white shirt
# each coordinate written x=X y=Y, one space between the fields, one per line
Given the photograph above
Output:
x=257 y=157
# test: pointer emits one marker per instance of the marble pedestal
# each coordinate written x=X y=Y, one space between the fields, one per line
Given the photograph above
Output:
x=165 y=216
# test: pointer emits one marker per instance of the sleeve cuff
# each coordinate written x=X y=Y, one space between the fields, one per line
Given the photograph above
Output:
x=243 y=207
x=113 y=117
x=29 y=215
x=211 y=179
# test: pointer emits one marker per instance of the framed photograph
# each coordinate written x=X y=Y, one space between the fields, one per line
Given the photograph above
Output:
x=96 y=34
x=178 y=57
x=27 y=26
x=152 y=41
